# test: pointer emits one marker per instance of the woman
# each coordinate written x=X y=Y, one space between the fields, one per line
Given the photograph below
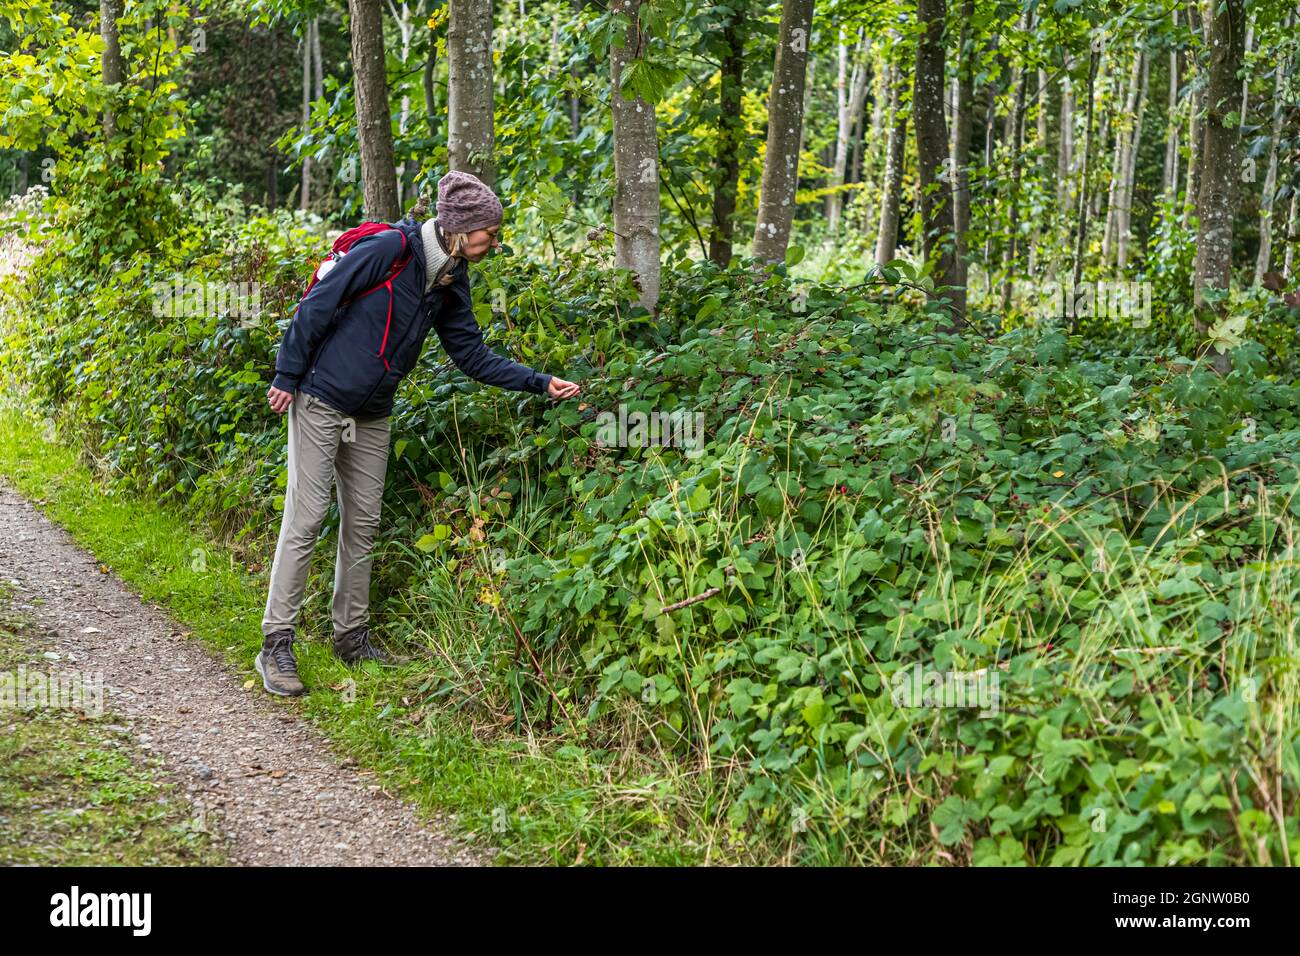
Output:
x=337 y=370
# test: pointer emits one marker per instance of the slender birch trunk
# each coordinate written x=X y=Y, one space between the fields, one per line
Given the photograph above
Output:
x=1081 y=235
x=1169 y=176
x=304 y=194
x=636 y=166
x=1065 y=153
x=892 y=192
x=849 y=90
x=1264 y=257
x=1124 y=210
x=784 y=132
x=1123 y=141
x=1015 y=134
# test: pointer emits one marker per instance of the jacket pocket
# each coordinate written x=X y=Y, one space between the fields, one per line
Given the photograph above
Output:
x=348 y=373
x=380 y=399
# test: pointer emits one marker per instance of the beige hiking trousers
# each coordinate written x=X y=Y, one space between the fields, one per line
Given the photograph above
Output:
x=327 y=447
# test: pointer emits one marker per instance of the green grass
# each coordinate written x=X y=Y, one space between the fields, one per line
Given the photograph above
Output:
x=74 y=790
x=536 y=801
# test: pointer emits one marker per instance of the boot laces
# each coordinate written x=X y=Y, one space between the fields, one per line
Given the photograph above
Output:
x=359 y=646
x=282 y=653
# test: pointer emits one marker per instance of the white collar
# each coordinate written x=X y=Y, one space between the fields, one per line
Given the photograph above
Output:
x=435 y=256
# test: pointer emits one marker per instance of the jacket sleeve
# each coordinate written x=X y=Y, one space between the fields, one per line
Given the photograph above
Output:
x=462 y=339
x=363 y=267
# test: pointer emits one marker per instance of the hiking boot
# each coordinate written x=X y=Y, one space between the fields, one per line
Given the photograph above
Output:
x=354 y=647
x=277 y=666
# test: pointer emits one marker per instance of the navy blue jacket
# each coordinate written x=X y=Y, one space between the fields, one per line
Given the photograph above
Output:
x=333 y=352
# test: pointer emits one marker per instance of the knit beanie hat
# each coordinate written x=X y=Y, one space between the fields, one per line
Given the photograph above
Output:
x=466 y=204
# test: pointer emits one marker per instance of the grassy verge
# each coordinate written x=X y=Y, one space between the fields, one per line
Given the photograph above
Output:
x=74 y=791
x=535 y=801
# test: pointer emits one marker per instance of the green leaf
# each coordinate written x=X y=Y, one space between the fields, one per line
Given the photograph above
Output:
x=771 y=502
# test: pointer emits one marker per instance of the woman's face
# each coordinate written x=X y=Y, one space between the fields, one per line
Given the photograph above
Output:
x=480 y=241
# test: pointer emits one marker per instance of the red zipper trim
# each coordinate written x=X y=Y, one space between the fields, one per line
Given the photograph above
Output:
x=388 y=322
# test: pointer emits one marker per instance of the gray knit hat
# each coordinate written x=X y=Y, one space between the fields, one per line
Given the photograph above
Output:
x=466 y=204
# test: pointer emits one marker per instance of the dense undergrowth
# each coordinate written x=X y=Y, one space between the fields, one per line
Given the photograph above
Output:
x=1098 y=525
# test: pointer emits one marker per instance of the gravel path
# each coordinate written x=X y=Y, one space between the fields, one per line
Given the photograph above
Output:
x=264 y=780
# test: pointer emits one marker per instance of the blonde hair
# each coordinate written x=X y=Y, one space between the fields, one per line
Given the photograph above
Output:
x=455 y=243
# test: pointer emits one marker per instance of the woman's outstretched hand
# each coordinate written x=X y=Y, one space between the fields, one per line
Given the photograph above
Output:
x=280 y=400
x=559 y=388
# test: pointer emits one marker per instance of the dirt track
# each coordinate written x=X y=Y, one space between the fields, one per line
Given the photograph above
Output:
x=265 y=782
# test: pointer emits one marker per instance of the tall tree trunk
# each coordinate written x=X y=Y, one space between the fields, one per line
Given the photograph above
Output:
x=874 y=147
x=850 y=104
x=1124 y=207
x=1044 y=97
x=892 y=192
x=1218 y=166
x=860 y=119
x=858 y=100
x=1107 y=80
x=854 y=173
x=1065 y=154
x=784 y=133
x=1267 y=201
x=1123 y=140
x=963 y=126
x=1015 y=140
x=841 y=119
x=1199 y=24
x=318 y=87
x=1292 y=217
x=730 y=131
x=470 y=125
x=1193 y=154
x=406 y=31
x=807 y=97
x=1081 y=235
x=575 y=117
x=841 y=109
x=636 y=166
x=112 y=68
x=374 y=121
x=1044 y=108
x=1169 y=176
x=1245 y=82
x=318 y=91
x=932 y=150
x=304 y=196
x=432 y=115
x=990 y=115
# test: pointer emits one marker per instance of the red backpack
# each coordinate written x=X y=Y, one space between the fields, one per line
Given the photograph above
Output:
x=341 y=247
